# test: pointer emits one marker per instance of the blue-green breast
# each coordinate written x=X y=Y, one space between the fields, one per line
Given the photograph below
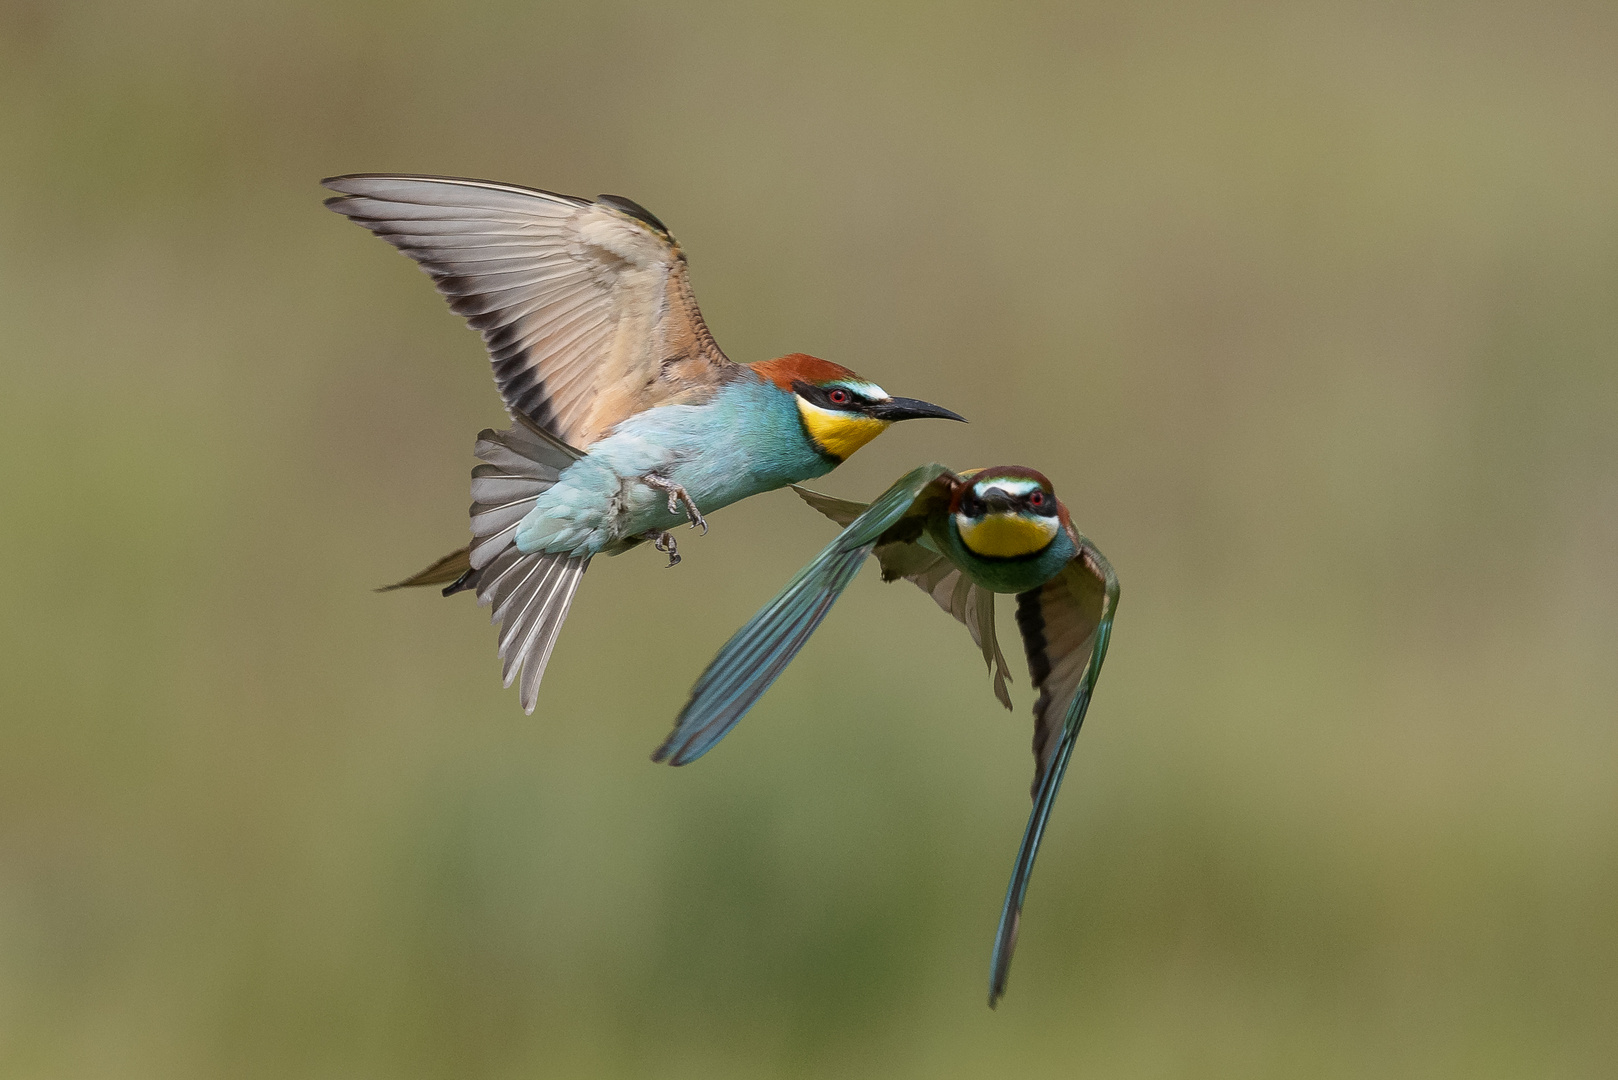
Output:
x=747 y=439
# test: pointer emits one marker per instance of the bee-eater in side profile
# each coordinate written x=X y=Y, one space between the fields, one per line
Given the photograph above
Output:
x=629 y=419
x=962 y=538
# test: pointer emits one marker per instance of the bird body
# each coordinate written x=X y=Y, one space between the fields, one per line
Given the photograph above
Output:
x=962 y=537
x=625 y=409
x=749 y=438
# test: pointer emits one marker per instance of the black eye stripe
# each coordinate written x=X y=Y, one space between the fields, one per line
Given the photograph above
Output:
x=821 y=395
x=974 y=504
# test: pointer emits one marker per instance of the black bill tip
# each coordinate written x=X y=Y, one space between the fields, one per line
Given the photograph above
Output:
x=904 y=408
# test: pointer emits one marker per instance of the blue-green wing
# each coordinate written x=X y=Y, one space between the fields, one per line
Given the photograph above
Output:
x=1065 y=626
x=916 y=560
x=758 y=652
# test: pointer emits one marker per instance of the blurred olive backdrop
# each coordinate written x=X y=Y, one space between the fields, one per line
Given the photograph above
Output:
x=1310 y=310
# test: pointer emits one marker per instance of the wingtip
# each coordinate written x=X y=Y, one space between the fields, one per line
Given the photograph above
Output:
x=341 y=185
x=677 y=751
x=997 y=988
x=1005 y=946
x=668 y=751
x=674 y=758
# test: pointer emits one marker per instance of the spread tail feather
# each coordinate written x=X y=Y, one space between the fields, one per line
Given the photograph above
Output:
x=531 y=595
x=521 y=464
x=518 y=468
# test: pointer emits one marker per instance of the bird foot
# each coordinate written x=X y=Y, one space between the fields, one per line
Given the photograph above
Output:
x=664 y=542
x=677 y=495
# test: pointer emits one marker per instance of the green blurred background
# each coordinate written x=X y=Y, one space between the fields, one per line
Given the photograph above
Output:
x=1310 y=310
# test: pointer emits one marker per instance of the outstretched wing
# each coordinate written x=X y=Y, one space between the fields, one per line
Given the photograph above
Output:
x=585 y=307
x=913 y=560
x=1065 y=626
x=758 y=652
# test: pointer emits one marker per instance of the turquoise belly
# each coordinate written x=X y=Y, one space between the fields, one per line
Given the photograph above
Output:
x=749 y=439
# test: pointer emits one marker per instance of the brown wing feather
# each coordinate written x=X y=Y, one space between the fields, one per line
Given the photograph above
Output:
x=1058 y=621
x=585 y=306
x=970 y=604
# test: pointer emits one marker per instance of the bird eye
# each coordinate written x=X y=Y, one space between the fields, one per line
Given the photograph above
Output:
x=1037 y=499
x=838 y=397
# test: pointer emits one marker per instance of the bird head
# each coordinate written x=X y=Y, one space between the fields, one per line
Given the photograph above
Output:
x=1006 y=512
x=840 y=410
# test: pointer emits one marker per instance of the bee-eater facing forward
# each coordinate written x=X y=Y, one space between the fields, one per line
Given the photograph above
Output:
x=962 y=538
x=630 y=420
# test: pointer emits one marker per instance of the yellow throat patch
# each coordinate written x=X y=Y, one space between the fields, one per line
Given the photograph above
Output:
x=1006 y=536
x=839 y=433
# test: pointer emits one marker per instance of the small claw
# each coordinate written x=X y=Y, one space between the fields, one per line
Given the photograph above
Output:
x=678 y=495
x=692 y=513
x=665 y=543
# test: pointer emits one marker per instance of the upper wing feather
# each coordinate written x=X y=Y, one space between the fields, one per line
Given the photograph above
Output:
x=758 y=652
x=1066 y=624
x=585 y=307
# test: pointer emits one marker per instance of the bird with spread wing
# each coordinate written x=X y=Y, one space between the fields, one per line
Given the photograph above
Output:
x=962 y=537
x=629 y=420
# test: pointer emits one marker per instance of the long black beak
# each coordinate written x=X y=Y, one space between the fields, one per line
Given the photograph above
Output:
x=905 y=408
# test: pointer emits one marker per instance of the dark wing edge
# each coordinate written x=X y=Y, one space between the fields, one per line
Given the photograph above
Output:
x=756 y=654
x=1049 y=618
x=579 y=335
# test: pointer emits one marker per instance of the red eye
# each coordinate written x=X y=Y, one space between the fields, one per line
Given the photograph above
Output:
x=1037 y=499
x=838 y=397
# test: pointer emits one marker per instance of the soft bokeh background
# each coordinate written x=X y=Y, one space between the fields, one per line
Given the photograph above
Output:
x=1308 y=309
